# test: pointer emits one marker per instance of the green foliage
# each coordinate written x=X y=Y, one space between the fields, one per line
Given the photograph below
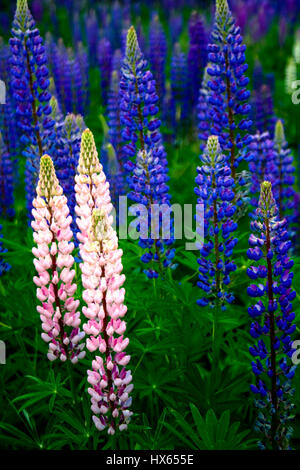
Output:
x=210 y=433
x=191 y=368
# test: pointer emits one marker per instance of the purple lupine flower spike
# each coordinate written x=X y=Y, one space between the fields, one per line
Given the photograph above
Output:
x=67 y=149
x=57 y=57
x=197 y=55
x=202 y=112
x=115 y=164
x=148 y=172
x=92 y=34
x=8 y=141
x=105 y=64
x=30 y=90
x=112 y=145
x=283 y=171
x=179 y=88
x=82 y=59
x=114 y=120
x=76 y=29
x=175 y=26
x=261 y=164
x=263 y=112
x=114 y=32
x=228 y=95
x=272 y=322
x=215 y=191
x=8 y=119
x=157 y=55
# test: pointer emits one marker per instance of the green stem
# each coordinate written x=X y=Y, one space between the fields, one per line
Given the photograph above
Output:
x=142 y=142
x=72 y=384
x=274 y=422
x=216 y=336
x=33 y=104
x=230 y=119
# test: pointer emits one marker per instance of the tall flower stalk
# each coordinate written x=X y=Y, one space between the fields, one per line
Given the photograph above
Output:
x=215 y=191
x=8 y=120
x=67 y=148
x=202 y=111
x=272 y=325
x=284 y=174
x=179 y=88
x=103 y=293
x=148 y=173
x=105 y=55
x=115 y=170
x=228 y=96
x=157 y=54
x=197 y=55
x=263 y=112
x=53 y=262
x=30 y=90
x=261 y=164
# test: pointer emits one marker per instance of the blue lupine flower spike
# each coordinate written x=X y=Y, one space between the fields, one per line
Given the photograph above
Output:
x=179 y=89
x=261 y=164
x=215 y=191
x=284 y=175
x=228 y=98
x=272 y=322
x=158 y=55
x=197 y=55
x=30 y=84
x=148 y=172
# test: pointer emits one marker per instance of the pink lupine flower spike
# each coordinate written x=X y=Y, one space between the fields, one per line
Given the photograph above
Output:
x=103 y=293
x=53 y=262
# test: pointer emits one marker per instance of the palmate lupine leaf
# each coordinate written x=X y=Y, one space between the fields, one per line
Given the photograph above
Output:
x=16 y=438
x=48 y=391
x=223 y=393
x=77 y=429
x=154 y=435
x=211 y=433
x=157 y=388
